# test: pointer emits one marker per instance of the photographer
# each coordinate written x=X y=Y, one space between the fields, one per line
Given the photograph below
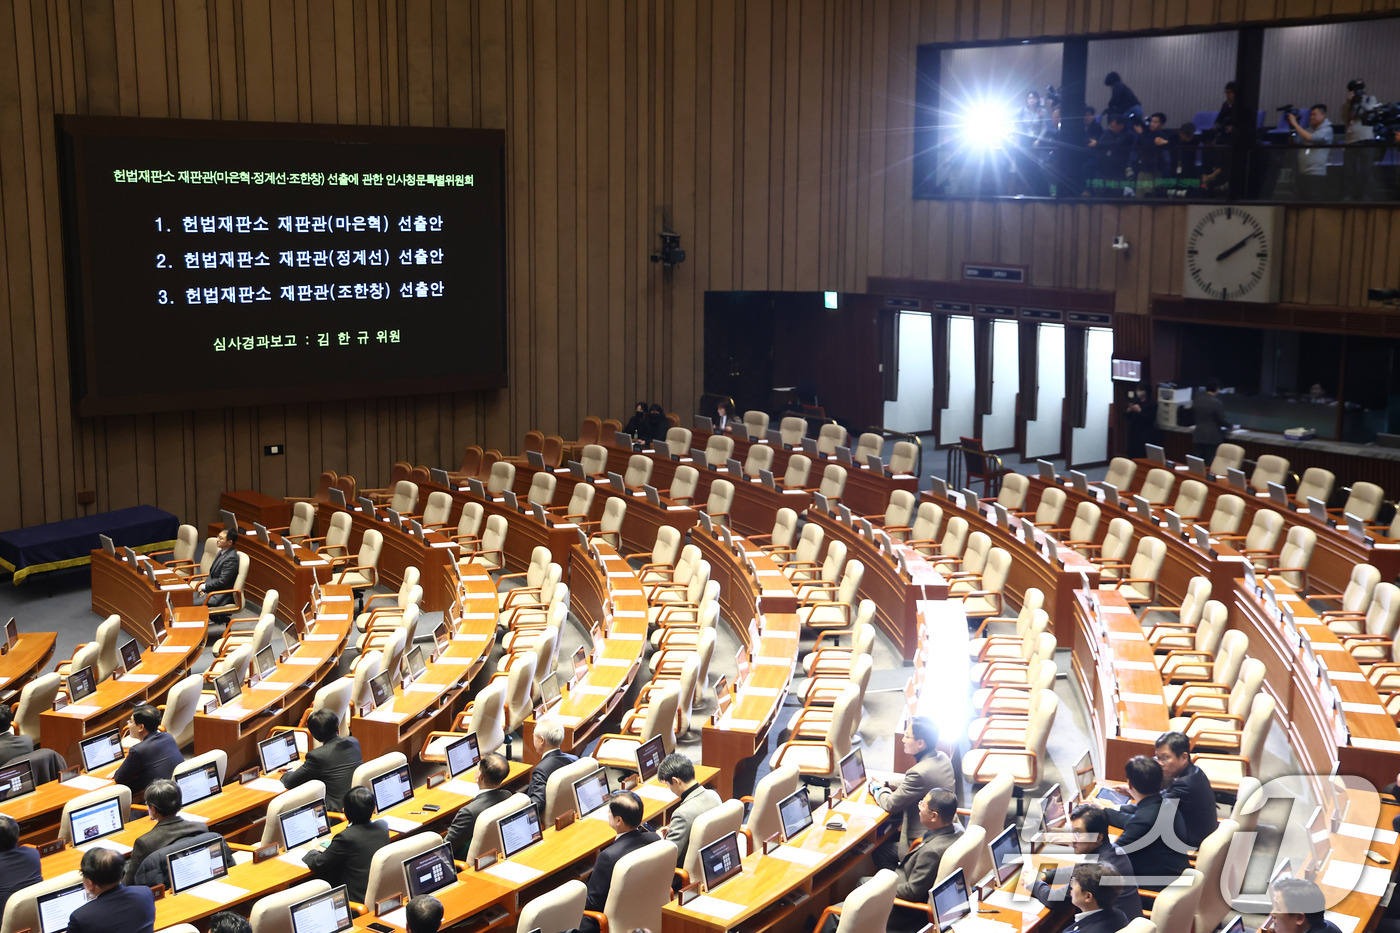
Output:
x=1357 y=163
x=1312 y=161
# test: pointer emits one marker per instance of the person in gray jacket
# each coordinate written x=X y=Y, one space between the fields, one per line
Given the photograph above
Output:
x=932 y=769
x=677 y=772
x=1211 y=422
x=938 y=812
x=163 y=800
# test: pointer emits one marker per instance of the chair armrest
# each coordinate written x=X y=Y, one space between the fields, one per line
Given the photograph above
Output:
x=601 y=920
x=981 y=777
x=804 y=743
x=369 y=571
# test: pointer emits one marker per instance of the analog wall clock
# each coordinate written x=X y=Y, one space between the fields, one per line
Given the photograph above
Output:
x=1232 y=252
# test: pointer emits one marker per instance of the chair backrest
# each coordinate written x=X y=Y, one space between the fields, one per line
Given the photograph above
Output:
x=298 y=796
x=1140 y=925
x=489 y=716
x=1157 y=487
x=668 y=544
x=809 y=542
x=661 y=716
x=438 y=508
x=928 y=521
x=868 y=907
x=721 y=497
x=108 y=633
x=347 y=485
x=559 y=789
x=1038 y=726
x=581 y=500
x=678 y=441
x=1269 y=468
x=784 y=528
x=1316 y=483
x=1120 y=473
x=22 y=908
x=1248 y=802
x=1050 y=507
x=714 y=823
x=1227 y=457
x=684 y=483
x=641 y=887
x=1175 y=908
x=793 y=429
x=1190 y=498
x=1210 y=631
x=996 y=570
x=187 y=542
x=718 y=450
x=37 y=696
x=371 y=544
x=469 y=522
x=553 y=451
x=760 y=458
x=756 y=422
x=555 y=911
x=830 y=437
x=1297 y=551
x=964 y=853
x=904 y=457
x=118 y=792
x=1225 y=518
x=868 y=445
x=1360 y=588
x=1246 y=688
x=614 y=513
x=335 y=696
x=303 y=520
x=471 y=460
x=386 y=866
x=373 y=768
x=638 y=470
x=181 y=703
x=1384 y=610
x=1086 y=522
x=1217 y=859
x=595 y=459
x=764 y=819
x=542 y=489
x=974 y=558
x=799 y=471
x=1118 y=539
x=1197 y=592
x=85 y=656
x=1147 y=562
x=494 y=538
x=834 y=562
x=486 y=835
x=1365 y=500
x=1234 y=647
x=218 y=756
x=520 y=688
x=1264 y=531
x=405 y=497
x=502 y=477
x=1256 y=730
x=833 y=482
x=900 y=508
x=367 y=667
x=989 y=807
x=591 y=430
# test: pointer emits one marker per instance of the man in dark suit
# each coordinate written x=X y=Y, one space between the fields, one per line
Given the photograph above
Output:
x=163 y=800
x=1299 y=907
x=491 y=774
x=938 y=812
x=1185 y=783
x=932 y=769
x=549 y=735
x=12 y=744
x=1152 y=835
x=334 y=763
x=222 y=573
x=346 y=860
x=625 y=817
x=1090 y=825
x=114 y=907
x=154 y=757
x=19 y=865
x=1093 y=888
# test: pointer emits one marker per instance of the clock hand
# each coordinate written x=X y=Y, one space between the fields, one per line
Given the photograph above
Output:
x=1238 y=246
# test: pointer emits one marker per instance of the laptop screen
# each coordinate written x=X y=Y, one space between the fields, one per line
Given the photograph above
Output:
x=198 y=784
x=131 y=655
x=323 y=913
x=1006 y=854
x=56 y=906
x=462 y=755
x=649 y=755
x=227 y=687
x=278 y=752
x=720 y=860
x=852 y=772
x=16 y=779
x=81 y=684
x=1084 y=773
x=432 y=870
x=591 y=792
x=95 y=821
x=102 y=749
x=949 y=900
x=520 y=830
x=380 y=689
x=796 y=811
x=391 y=789
x=196 y=865
x=304 y=824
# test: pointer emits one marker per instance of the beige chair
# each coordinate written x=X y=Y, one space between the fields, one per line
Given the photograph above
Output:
x=1352 y=602
x=272 y=912
x=899 y=512
x=239 y=660
x=1316 y=484
x=437 y=510
x=1001 y=647
x=868 y=908
x=718 y=450
x=833 y=484
x=1120 y=474
x=1364 y=500
x=528 y=582
x=804 y=554
x=760 y=458
x=364 y=573
x=903 y=458
x=799 y=472
x=520 y=690
x=783 y=535
x=1140 y=925
x=1157 y=487
x=22 y=908
x=1083 y=528
x=683 y=485
x=405 y=499
x=542 y=489
x=821 y=759
x=868 y=445
x=257 y=638
x=1036 y=645
x=986 y=600
x=822 y=692
x=792 y=429
x=1269 y=468
x=963 y=854
x=1139 y=587
x=181 y=703
x=1294 y=558
x=186 y=548
x=1113 y=550
x=660 y=561
x=833 y=658
x=594 y=460
x=1227 y=457
x=764 y=819
x=559 y=910
x=981 y=765
x=298 y=796
x=619 y=749
x=1376 y=637
x=559 y=789
x=928 y=522
x=1191 y=498
x=641 y=887
x=1031 y=600
x=489 y=550
x=1049 y=509
x=501 y=478
x=678 y=441
x=1179 y=634
x=1012 y=701
x=1262 y=537
x=827 y=573
x=1249 y=800
x=609 y=527
x=38 y=695
x=1213 y=720
x=384 y=606
x=85 y=655
x=638 y=472
x=369 y=770
x=1216 y=860
x=720 y=501
x=469 y=523
x=1014 y=489
x=1175 y=906
x=1227 y=515
x=708 y=827
x=1220 y=674
x=118 y=792
x=826 y=607
x=757 y=423
x=830 y=437
x=580 y=504
x=486 y=834
x=1193 y=661
x=487 y=716
x=386 y=866
x=99 y=653
x=989 y=806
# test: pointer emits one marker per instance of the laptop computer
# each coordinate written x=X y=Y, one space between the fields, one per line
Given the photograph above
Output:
x=622 y=439
x=876 y=465
x=101 y=750
x=949 y=900
x=821 y=502
x=107 y=545
x=734 y=468
x=1052 y=810
x=852 y=772
x=391 y=788
x=1006 y=855
x=591 y=794
x=796 y=812
x=55 y=907
x=82 y=684
x=1156 y=454
x=1142 y=506
x=1195 y=464
x=306 y=825
x=16 y=780
x=720 y=861
x=95 y=821
x=158 y=624
x=549 y=690
x=277 y=752
x=462 y=754
x=327 y=912
x=519 y=831
x=381 y=691
x=649 y=755
x=198 y=784
x=432 y=871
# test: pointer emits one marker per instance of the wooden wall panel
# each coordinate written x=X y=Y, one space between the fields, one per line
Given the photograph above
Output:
x=773 y=135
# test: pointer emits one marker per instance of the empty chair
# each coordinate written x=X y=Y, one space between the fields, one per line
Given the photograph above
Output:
x=385 y=605
x=756 y=422
x=784 y=532
x=828 y=571
x=595 y=460
x=1215 y=860
x=923 y=533
x=1114 y=549
x=1191 y=661
x=1210 y=691
x=619 y=750
x=792 y=429
x=1031 y=600
x=1293 y=558
x=760 y=458
x=868 y=445
x=799 y=472
x=1262 y=537
x=764 y=819
x=638 y=472
x=542 y=489
x=1120 y=474
x=1376 y=630
x=469 y=522
x=1352 y=602
x=1316 y=484
x=181 y=703
x=501 y=479
x=989 y=807
x=683 y=485
x=950 y=549
x=660 y=561
x=868 y=908
x=553 y=452
x=489 y=550
x=718 y=450
x=1140 y=584
x=986 y=599
x=826 y=606
x=1227 y=770
x=833 y=484
x=1049 y=509
x=555 y=911
x=1014 y=488
x=1084 y=527
x=1364 y=500
x=1269 y=468
x=822 y=759
x=903 y=458
x=580 y=502
x=830 y=437
x=1157 y=487
x=1227 y=515
x=364 y=572
x=720 y=501
x=1190 y=499
x=36 y=696
x=1178 y=634
x=486 y=716
x=981 y=765
x=405 y=498
x=437 y=510
x=678 y=441
x=898 y=514
x=1227 y=457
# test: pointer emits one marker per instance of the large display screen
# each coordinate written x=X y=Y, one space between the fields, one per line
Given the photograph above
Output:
x=214 y=263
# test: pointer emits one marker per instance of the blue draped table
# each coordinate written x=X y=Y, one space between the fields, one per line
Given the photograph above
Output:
x=70 y=543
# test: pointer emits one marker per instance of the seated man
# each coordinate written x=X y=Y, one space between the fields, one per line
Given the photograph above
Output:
x=548 y=736
x=932 y=769
x=625 y=818
x=154 y=757
x=938 y=812
x=346 y=860
x=424 y=914
x=334 y=762
x=678 y=773
x=1299 y=907
x=1185 y=783
x=19 y=865
x=1090 y=825
x=223 y=573
x=163 y=801
x=1156 y=851
x=1093 y=888
x=491 y=774
x=12 y=744
x=112 y=906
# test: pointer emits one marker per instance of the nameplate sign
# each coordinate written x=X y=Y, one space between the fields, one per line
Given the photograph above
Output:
x=980 y=273
x=952 y=307
x=1089 y=318
x=1041 y=314
x=1001 y=311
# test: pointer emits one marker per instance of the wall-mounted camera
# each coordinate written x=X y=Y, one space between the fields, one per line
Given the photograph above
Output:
x=671 y=253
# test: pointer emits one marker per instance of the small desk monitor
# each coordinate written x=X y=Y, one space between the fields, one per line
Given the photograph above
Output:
x=949 y=900
x=512 y=500
x=591 y=792
x=720 y=861
x=305 y=824
x=431 y=871
x=56 y=907
x=328 y=912
x=622 y=439
x=440 y=477
x=938 y=486
x=338 y=497
x=843 y=455
x=1173 y=522
x=416 y=664
x=1006 y=854
x=796 y=812
x=230 y=522
x=462 y=755
x=520 y=830
x=1080 y=480
x=12 y=632
x=195 y=865
x=549 y=690
x=1046 y=470
x=852 y=772
x=1278 y=495
x=261 y=531
x=16 y=780
x=391 y=789
x=101 y=749
x=1110 y=494
x=227 y=687
x=265 y=661
x=108 y=545
x=380 y=690
x=1156 y=454
x=278 y=752
x=615 y=481
x=1112 y=796
x=96 y=821
x=653 y=496
x=441 y=636
x=535 y=459
x=131 y=655
x=1317 y=508
x=198 y=784
x=1084 y=773
x=82 y=684
x=1195 y=464
x=1052 y=809
x=158 y=623
x=703 y=423
x=809 y=446
x=649 y=755
x=1237 y=478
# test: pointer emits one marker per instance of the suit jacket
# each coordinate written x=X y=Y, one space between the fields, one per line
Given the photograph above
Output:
x=553 y=760
x=153 y=758
x=459 y=834
x=1211 y=422
x=117 y=910
x=1100 y=921
x=13 y=745
x=334 y=763
x=19 y=868
x=346 y=860
x=933 y=770
x=916 y=874
x=222 y=574
x=164 y=833
x=1108 y=854
x=693 y=803
x=601 y=880
x=1155 y=859
x=1195 y=802
x=153 y=869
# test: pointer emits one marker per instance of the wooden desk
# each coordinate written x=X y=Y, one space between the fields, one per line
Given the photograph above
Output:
x=250 y=506
x=401 y=550
x=270 y=569
x=642 y=521
x=120 y=589
x=23 y=662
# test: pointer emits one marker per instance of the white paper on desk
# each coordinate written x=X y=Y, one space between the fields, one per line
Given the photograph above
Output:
x=776 y=633
x=1344 y=922
x=1143 y=735
x=460 y=788
x=137 y=678
x=78 y=710
x=305 y=662
x=468 y=638
x=867 y=811
x=1028 y=906
x=1349 y=876
x=770 y=573
x=456 y=662
x=217 y=891
x=655 y=792
x=266 y=784
x=625 y=636
x=176 y=586
x=272 y=685
x=420 y=687
x=331 y=617
x=1142 y=698
x=612 y=662
x=479 y=616
x=627 y=592
x=106 y=844
x=761 y=691
x=319 y=637
x=314 y=562
x=592 y=691
x=1134 y=666
x=677 y=508
x=1345 y=675
x=1362 y=708
x=88 y=782
x=1381 y=745
x=1369 y=833
x=164 y=573
x=444 y=544
x=187 y=625
x=294 y=858
x=400 y=825
x=387 y=715
x=619 y=573
x=1324 y=645
x=629 y=614
x=514 y=872
x=570 y=720
x=1125 y=636
x=797 y=856
x=774 y=662
x=739 y=724
x=714 y=907
x=1111 y=609
x=234 y=711
x=188 y=815
x=335 y=599
x=172 y=649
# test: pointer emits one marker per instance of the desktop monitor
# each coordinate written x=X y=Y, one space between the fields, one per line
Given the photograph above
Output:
x=1237 y=478
x=16 y=780
x=338 y=497
x=198 y=784
x=55 y=907
x=265 y=661
x=591 y=792
x=129 y=555
x=463 y=754
x=131 y=655
x=391 y=789
x=415 y=662
x=441 y=636
x=720 y=860
x=440 y=477
x=852 y=772
x=82 y=684
x=290 y=641
x=227 y=687
x=158 y=624
x=949 y=900
x=394 y=518
x=1084 y=773
x=260 y=530
x=365 y=504
x=328 y=912
x=101 y=749
x=278 y=752
x=380 y=690
x=12 y=633
x=230 y=522
x=580 y=662
x=1006 y=854
x=796 y=812
x=535 y=459
x=1052 y=809
x=96 y=820
x=520 y=830
x=195 y=865
x=304 y=824
x=649 y=755
x=703 y=423
x=549 y=689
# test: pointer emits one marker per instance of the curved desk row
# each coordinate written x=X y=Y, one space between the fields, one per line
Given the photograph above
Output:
x=24 y=661
x=118 y=588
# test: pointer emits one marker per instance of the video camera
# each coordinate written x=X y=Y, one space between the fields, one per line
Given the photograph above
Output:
x=1384 y=120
